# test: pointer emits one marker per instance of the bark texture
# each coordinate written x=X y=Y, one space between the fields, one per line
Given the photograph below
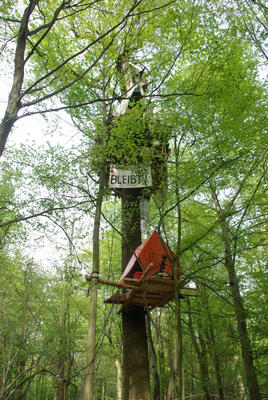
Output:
x=135 y=350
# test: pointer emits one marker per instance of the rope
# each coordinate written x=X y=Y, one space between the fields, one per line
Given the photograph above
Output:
x=93 y=275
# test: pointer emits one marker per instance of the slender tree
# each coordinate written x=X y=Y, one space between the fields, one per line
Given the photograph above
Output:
x=239 y=309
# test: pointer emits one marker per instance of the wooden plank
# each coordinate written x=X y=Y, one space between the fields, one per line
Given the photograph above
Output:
x=116 y=298
x=141 y=299
x=153 y=291
x=158 y=289
x=149 y=296
x=152 y=283
x=155 y=283
x=110 y=283
x=152 y=301
x=133 y=291
x=130 y=281
x=164 y=301
x=162 y=285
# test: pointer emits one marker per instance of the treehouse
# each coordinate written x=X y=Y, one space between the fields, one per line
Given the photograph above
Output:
x=153 y=251
x=148 y=277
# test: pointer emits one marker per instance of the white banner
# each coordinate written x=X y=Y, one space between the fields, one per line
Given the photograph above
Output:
x=126 y=178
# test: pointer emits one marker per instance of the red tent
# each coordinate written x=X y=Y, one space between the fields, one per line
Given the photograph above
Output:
x=153 y=250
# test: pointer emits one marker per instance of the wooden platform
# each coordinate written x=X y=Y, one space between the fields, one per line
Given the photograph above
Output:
x=152 y=291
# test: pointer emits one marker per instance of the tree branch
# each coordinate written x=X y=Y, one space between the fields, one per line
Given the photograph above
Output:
x=41 y=213
x=84 y=49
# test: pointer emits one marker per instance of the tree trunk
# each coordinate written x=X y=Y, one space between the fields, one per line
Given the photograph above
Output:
x=180 y=354
x=161 y=353
x=135 y=351
x=91 y=338
x=118 y=379
x=240 y=313
x=55 y=390
x=177 y=277
x=201 y=354
x=215 y=356
x=103 y=392
x=245 y=344
x=62 y=354
x=203 y=362
x=13 y=104
x=156 y=380
x=171 y=393
x=242 y=393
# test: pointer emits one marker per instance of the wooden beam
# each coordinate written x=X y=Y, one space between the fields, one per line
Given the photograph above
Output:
x=133 y=291
x=116 y=284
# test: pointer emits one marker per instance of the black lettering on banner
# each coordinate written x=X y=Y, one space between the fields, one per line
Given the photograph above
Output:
x=113 y=179
x=127 y=179
x=133 y=179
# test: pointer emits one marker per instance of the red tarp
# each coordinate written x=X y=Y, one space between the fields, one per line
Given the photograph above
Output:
x=151 y=251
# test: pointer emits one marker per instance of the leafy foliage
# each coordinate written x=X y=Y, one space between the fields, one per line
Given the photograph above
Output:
x=204 y=108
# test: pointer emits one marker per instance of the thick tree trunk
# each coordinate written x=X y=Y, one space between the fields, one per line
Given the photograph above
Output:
x=240 y=313
x=135 y=351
